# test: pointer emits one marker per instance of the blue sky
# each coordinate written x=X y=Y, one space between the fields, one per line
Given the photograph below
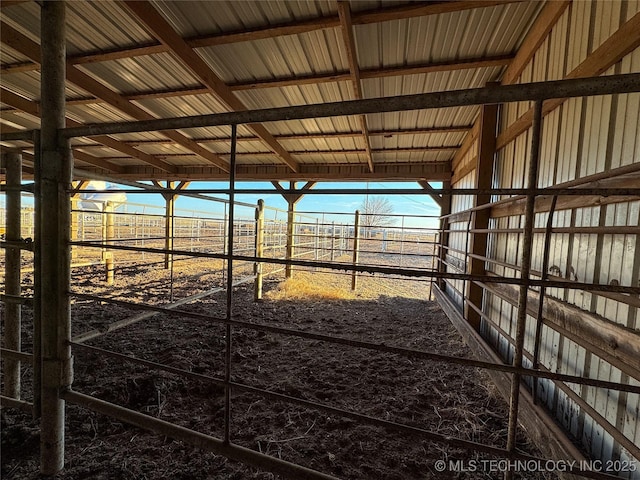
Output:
x=405 y=204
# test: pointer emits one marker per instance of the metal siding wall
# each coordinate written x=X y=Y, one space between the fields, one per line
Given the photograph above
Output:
x=580 y=138
x=459 y=241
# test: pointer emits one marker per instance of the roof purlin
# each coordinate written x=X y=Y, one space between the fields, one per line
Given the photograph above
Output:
x=161 y=29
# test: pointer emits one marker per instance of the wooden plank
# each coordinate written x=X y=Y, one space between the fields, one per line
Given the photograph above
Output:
x=436 y=198
x=32 y=108
x=423 y=9
x=536 y=35
x=24 y=45
x=623 y=41
x=98 y=162
x=468 y=167
x=480 y=220
x=344 y=12
x=161 y=29
x=467 y=143
x=290 y=28
x=434 y=171
x=619 y=345
x=534 y=38
x=540 y=427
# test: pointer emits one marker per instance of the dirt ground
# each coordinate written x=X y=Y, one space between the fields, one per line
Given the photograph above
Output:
x=448 y=399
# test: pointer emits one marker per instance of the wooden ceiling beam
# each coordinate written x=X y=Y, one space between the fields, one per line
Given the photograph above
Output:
x=536 y=35
x=344 y=12
x=32 y=108
x=296 y=80
x=312 y=136
x=22 y=44
x=317 y=152
x=422 y=9
x=611 y=51
x=432 y=171
x=164 y=32
x=436 y=197
x=99 y=162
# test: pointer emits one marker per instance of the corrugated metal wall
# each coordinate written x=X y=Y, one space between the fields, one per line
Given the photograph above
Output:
x=580 y=138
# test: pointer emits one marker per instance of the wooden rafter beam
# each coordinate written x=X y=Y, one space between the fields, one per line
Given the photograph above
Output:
x=623 y=41
x=433 y=171
x=293 y=198
x=310 y=136
x=32 y=108
x=296 y=80
x=98 y=162
x=346 y=24
x=316 y=152
x=289 y=28
x=9 y=3
x=163 y=31
x=536 y=35
x=11 y=37
x=436 y=198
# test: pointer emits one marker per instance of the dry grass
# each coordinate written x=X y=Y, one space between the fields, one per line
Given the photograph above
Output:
x=303 y=289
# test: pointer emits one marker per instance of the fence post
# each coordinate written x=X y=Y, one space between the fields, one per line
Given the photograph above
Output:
x=291 y=228
x=356 y=249
x=13 y=310
x=316 y=244
x=170 y=200
x=74 y=225
x=56 y=167
x=109 y=236
x=259 y=249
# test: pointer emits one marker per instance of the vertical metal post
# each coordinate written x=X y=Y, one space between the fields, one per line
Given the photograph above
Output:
x=259 y=248
x=56 y=167
x=291 y=228
x=356 y=249
x=539 y=316
x=432 y=248
x=316 y=240
x=227 y=369
x=109 y=232
x=333 y=241
x=37 y=297
x=225 y=236
x=74 y=225
x=444 y=235
x=169 y=226
x=13 y=310
x=525 y=269
x=401 y=241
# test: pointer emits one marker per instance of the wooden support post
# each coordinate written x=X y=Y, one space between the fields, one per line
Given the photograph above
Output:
x=169 y=225
x=356 y=249
x=292 y=199
x=259 y=249
x=445 y=209
x=109 y=235
x=480 y=219
x=12 y=310
x=56 y=170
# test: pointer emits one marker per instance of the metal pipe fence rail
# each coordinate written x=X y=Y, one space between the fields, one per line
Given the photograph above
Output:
x=56 y=338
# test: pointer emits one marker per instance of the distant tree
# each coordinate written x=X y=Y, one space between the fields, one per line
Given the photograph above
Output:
x=375 y=213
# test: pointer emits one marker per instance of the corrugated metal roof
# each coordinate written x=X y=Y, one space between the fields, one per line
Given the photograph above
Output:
x=94 y=27
x=153 y=72
x=193 y=18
